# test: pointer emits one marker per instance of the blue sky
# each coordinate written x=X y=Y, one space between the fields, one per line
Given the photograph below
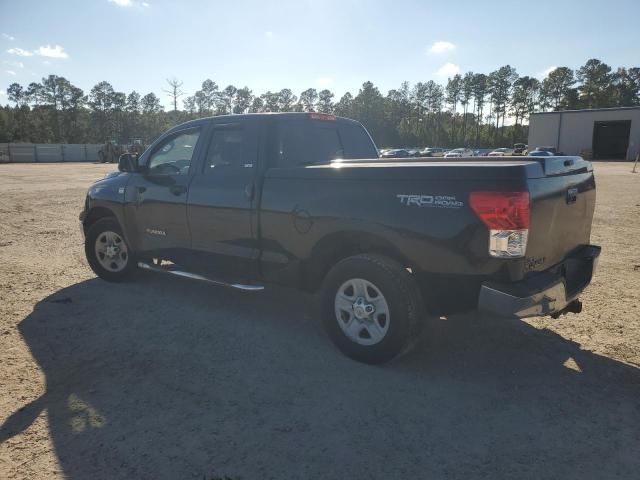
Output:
x=335 y=44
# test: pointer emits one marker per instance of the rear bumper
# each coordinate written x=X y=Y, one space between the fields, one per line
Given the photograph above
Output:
x=544 y=293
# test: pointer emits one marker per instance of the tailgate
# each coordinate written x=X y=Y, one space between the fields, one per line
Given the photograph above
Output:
x=562 y=205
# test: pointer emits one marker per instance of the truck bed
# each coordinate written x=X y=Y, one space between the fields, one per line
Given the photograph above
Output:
x=449 y=239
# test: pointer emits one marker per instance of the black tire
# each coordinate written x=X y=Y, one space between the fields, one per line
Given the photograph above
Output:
x=402 y=296
x=98 y=228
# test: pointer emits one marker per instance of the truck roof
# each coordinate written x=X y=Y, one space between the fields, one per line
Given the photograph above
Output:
x=230 y=118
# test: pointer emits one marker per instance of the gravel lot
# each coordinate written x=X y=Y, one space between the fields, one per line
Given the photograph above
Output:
x=167 y=378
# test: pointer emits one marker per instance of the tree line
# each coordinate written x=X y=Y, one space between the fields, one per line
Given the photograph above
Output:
x=473 y=109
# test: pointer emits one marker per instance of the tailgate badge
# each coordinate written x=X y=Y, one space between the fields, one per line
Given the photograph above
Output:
x=572 y=195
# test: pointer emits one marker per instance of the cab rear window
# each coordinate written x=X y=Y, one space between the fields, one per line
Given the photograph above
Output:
x=356 y=141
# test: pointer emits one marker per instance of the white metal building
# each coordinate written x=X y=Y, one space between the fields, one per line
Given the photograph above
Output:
x=602 y=133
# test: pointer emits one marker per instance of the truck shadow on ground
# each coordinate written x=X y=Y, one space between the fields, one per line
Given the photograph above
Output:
x=176 y=379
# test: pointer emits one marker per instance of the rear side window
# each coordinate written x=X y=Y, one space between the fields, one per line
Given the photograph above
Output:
x=306 y=142
x=227 y=148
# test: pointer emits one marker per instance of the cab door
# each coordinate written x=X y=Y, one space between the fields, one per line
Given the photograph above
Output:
x=159 y=195
x=223 y=198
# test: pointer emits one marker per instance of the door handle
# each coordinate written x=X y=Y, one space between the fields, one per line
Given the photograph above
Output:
x=142 y=189
x=249 y=191
x=178 y=189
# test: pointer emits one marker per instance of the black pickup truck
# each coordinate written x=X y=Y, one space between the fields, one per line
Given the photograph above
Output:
x=303 y=200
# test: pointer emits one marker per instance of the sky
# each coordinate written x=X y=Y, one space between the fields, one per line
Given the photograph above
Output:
x=334 y=44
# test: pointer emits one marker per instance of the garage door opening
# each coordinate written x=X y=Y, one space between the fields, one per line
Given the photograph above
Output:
x=611 y=140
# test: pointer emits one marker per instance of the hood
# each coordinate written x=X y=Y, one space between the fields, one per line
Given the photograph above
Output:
x=113 y=184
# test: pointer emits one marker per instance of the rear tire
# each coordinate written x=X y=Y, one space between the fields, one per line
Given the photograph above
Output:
x=371 y=308
x=107 y=252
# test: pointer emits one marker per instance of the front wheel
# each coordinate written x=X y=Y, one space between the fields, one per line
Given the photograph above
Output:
x=371 y=307
x=107 y=252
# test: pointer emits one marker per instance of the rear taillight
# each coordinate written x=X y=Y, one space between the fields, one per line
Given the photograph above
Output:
x=506 y=214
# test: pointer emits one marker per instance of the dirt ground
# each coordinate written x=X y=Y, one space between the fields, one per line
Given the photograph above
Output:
x=167 y=378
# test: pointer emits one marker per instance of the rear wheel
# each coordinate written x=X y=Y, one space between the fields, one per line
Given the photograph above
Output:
x=107 y=252
x=371 y=307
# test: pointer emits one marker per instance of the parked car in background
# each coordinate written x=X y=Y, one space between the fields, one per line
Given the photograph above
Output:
x=520 y=149
x=501 y=152
x=434 y=152
x=414 y=152
x=551 y=150
x=540 y=153
x=459 y=152
x=482 y=152
x=396 y=153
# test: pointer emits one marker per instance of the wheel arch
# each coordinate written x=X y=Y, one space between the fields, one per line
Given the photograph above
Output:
x=339 y=245
x=97 y=213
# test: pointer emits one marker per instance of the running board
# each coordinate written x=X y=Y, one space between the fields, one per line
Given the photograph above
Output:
x=195 y=276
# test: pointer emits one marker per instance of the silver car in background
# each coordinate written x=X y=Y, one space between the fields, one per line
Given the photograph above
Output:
x=459 y=152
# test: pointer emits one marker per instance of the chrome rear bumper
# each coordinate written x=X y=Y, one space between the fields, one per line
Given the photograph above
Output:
x=562 y=284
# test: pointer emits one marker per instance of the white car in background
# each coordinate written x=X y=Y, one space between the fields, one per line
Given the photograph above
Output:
x=434 y=152
x=501 y=152
x=459 y=152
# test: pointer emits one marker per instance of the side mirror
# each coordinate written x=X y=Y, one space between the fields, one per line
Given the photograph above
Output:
x=128 y=162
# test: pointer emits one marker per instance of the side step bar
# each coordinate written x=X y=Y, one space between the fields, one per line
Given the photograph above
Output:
x=195 y=276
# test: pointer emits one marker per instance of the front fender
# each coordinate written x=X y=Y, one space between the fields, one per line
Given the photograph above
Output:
x=106 y=198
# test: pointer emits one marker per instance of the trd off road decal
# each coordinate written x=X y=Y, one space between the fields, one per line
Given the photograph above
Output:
x=433 y=201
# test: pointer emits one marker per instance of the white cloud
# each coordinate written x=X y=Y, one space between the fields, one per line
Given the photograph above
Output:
x=46 y=62
x=11 y=72
x=442 y=47
x=131 y=3
x=20 y=52
x=8 y=37
x=268 y=35
x=1 y=93
x=324 y=82
x=448 y=70
x=51 y=52
x=44 y=51
x=545 y=73
x=14 y=64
